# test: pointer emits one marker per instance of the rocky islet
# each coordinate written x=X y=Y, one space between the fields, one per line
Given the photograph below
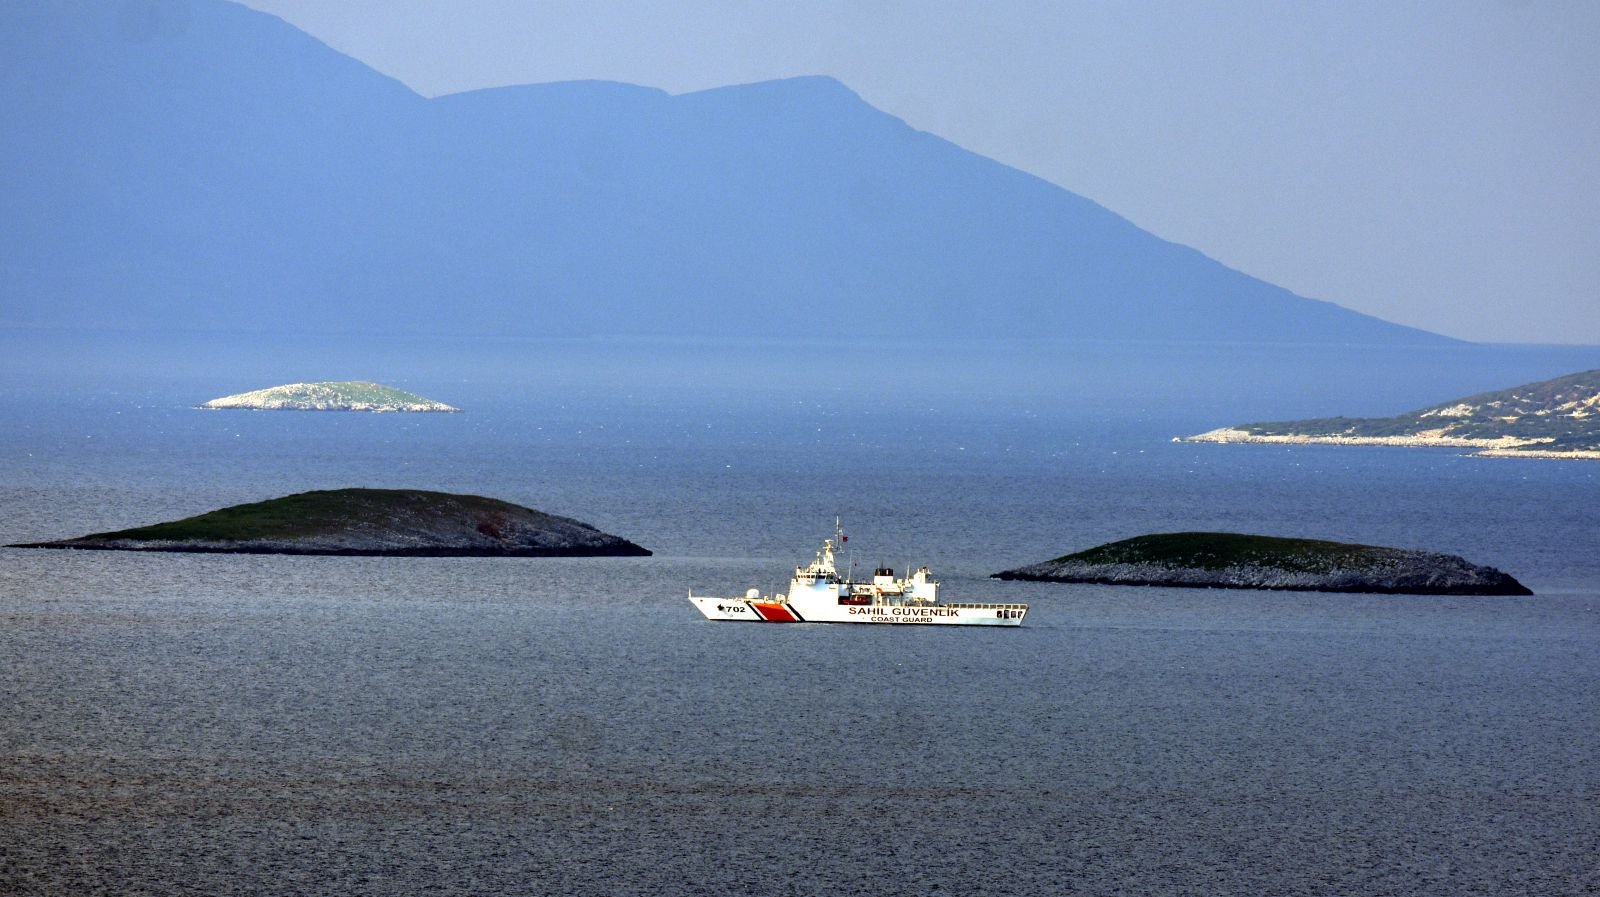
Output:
x=342 y=395
x=384 y=522
x=1242 y=561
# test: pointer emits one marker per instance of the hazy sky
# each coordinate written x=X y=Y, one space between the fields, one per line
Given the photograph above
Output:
x=1433 y=163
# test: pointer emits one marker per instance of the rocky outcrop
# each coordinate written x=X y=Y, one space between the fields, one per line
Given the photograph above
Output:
x=368 y=522
x=348 y=395
x=1238 y=561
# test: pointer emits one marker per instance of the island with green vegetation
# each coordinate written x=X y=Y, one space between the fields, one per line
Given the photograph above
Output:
x=346 y=395
x=1557 y=418
x=1240 y=561
x=400 y=522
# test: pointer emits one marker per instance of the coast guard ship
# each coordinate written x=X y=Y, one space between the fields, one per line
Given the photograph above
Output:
x=818 y=594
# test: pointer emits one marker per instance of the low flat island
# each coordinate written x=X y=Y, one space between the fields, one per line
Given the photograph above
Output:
x=397 y=522
x=344 y=395
x=1239 y=561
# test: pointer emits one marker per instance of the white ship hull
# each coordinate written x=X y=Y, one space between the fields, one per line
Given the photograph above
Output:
x=818 y=594
x=766 y=610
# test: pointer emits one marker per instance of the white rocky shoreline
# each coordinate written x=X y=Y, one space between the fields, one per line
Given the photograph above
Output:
x=1581 y=455
x=1499 y=447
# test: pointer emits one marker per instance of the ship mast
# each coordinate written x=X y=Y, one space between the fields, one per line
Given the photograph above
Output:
x=839 y=539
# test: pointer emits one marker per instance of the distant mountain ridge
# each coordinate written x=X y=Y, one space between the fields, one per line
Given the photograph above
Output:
x=1552 y=418
x=205 y=166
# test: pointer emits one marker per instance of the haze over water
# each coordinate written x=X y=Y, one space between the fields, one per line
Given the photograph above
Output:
x=191 y=724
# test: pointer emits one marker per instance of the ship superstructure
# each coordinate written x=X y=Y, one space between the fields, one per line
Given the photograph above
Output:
x=819 y=594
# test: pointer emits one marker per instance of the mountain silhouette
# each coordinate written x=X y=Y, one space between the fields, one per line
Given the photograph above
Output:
x=201 y=165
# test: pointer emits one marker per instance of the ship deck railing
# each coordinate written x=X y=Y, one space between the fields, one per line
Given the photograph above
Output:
x=988 y=606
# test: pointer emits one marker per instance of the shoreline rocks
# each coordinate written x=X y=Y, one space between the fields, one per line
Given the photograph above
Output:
x=1235 y=434
x=1502 y=447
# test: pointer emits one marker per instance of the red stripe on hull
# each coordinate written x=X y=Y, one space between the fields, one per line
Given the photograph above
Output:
x=773 y=613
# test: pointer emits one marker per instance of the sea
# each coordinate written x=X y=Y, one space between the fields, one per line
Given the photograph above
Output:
x=256 y=725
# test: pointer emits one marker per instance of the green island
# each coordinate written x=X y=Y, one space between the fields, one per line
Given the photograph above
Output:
x=344 y=395
x=1242 y=561
x=1557 y=418
x=398 y=522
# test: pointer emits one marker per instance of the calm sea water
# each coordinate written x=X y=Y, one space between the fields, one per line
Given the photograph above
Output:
x=274 y=725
